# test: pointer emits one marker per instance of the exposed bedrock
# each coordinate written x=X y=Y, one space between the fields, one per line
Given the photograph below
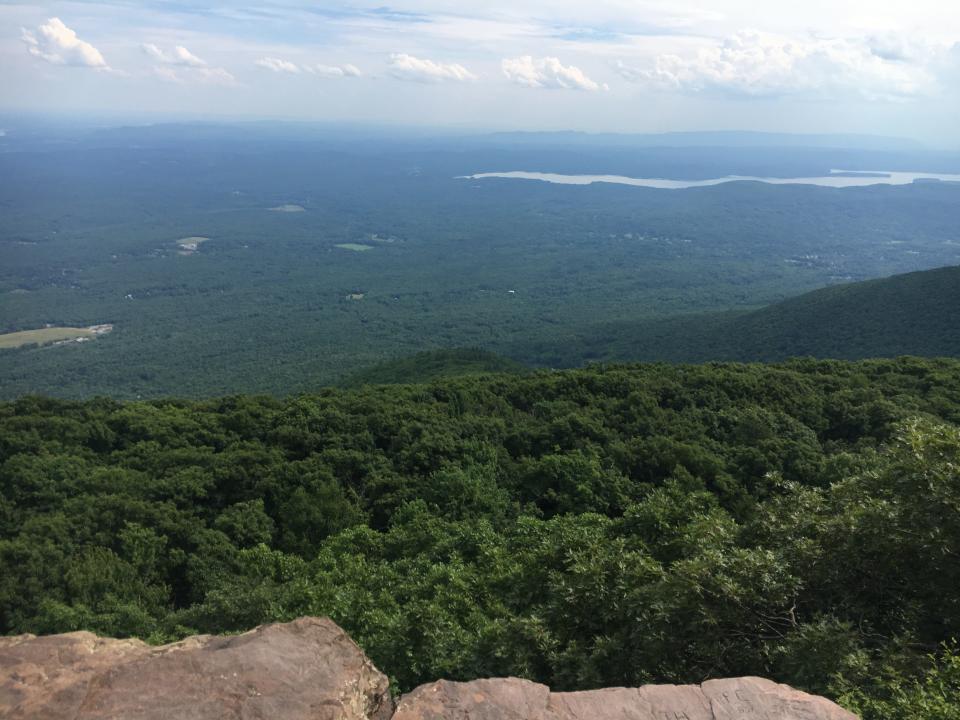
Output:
x=310 y=669
x=746 y=698
x=306 y=669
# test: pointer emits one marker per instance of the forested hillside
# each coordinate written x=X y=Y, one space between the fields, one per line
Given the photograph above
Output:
x=910 y=314
x=609 y=526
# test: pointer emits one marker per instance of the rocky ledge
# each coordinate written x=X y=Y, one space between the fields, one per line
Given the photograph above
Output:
x=310 y=669
x=747 y=698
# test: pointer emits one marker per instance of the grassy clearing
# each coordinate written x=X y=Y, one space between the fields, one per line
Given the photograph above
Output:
x=43 y=336
x=356 y=247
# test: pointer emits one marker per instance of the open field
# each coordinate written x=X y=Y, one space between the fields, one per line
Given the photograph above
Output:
x=190 y=245
x=45 y=336
x=356 y=247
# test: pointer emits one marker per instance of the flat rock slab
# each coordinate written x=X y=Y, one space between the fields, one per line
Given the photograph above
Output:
x=745 y=698
x=306 y=669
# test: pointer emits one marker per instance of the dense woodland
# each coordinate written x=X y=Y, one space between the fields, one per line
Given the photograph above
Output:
x=609 y=526
x=548 y=275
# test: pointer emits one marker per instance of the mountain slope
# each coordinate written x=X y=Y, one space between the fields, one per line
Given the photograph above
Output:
x=911 y=314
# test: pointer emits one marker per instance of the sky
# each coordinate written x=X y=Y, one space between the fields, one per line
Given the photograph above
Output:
x=883 y=67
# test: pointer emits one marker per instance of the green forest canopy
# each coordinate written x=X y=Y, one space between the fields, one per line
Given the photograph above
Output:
x=548 y=275
x=609 y=526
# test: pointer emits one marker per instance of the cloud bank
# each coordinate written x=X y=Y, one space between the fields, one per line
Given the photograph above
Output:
x=55 y=43
x=547 y=72
x=756 y=64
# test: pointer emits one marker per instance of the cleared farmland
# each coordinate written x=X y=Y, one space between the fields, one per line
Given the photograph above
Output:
x=48 y=335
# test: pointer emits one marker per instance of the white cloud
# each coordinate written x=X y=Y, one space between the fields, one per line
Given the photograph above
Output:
x=180 y=65
x=334 y=71
x=204 y=75
x=755 y=64
x=547 y=72
x=215 y=76
x=178 y=56
x=407 y=67
x=56 y=43
x=277 y=65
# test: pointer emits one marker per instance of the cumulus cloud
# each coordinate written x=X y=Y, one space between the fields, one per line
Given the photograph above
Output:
x=755 y=64
x=407 y=67
x=179 y=65
x=277 y=65
x=178 y=56
x=547 y=72
x=56 y=43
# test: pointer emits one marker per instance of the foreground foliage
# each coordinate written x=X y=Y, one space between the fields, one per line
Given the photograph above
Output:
x=609 y=526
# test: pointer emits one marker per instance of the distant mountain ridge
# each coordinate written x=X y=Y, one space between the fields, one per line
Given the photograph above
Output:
x=714 y=138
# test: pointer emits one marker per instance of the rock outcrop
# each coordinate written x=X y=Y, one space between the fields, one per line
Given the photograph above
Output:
x=306 y=669
x=747 y=698
x=310 y=668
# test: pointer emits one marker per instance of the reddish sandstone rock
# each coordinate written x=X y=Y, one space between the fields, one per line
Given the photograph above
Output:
x=512 y=699
x=304 y=669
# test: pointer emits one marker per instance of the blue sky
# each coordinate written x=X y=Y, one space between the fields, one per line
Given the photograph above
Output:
x=879 y=67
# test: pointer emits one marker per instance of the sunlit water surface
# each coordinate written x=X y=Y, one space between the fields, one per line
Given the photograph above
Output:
x=836 y=179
